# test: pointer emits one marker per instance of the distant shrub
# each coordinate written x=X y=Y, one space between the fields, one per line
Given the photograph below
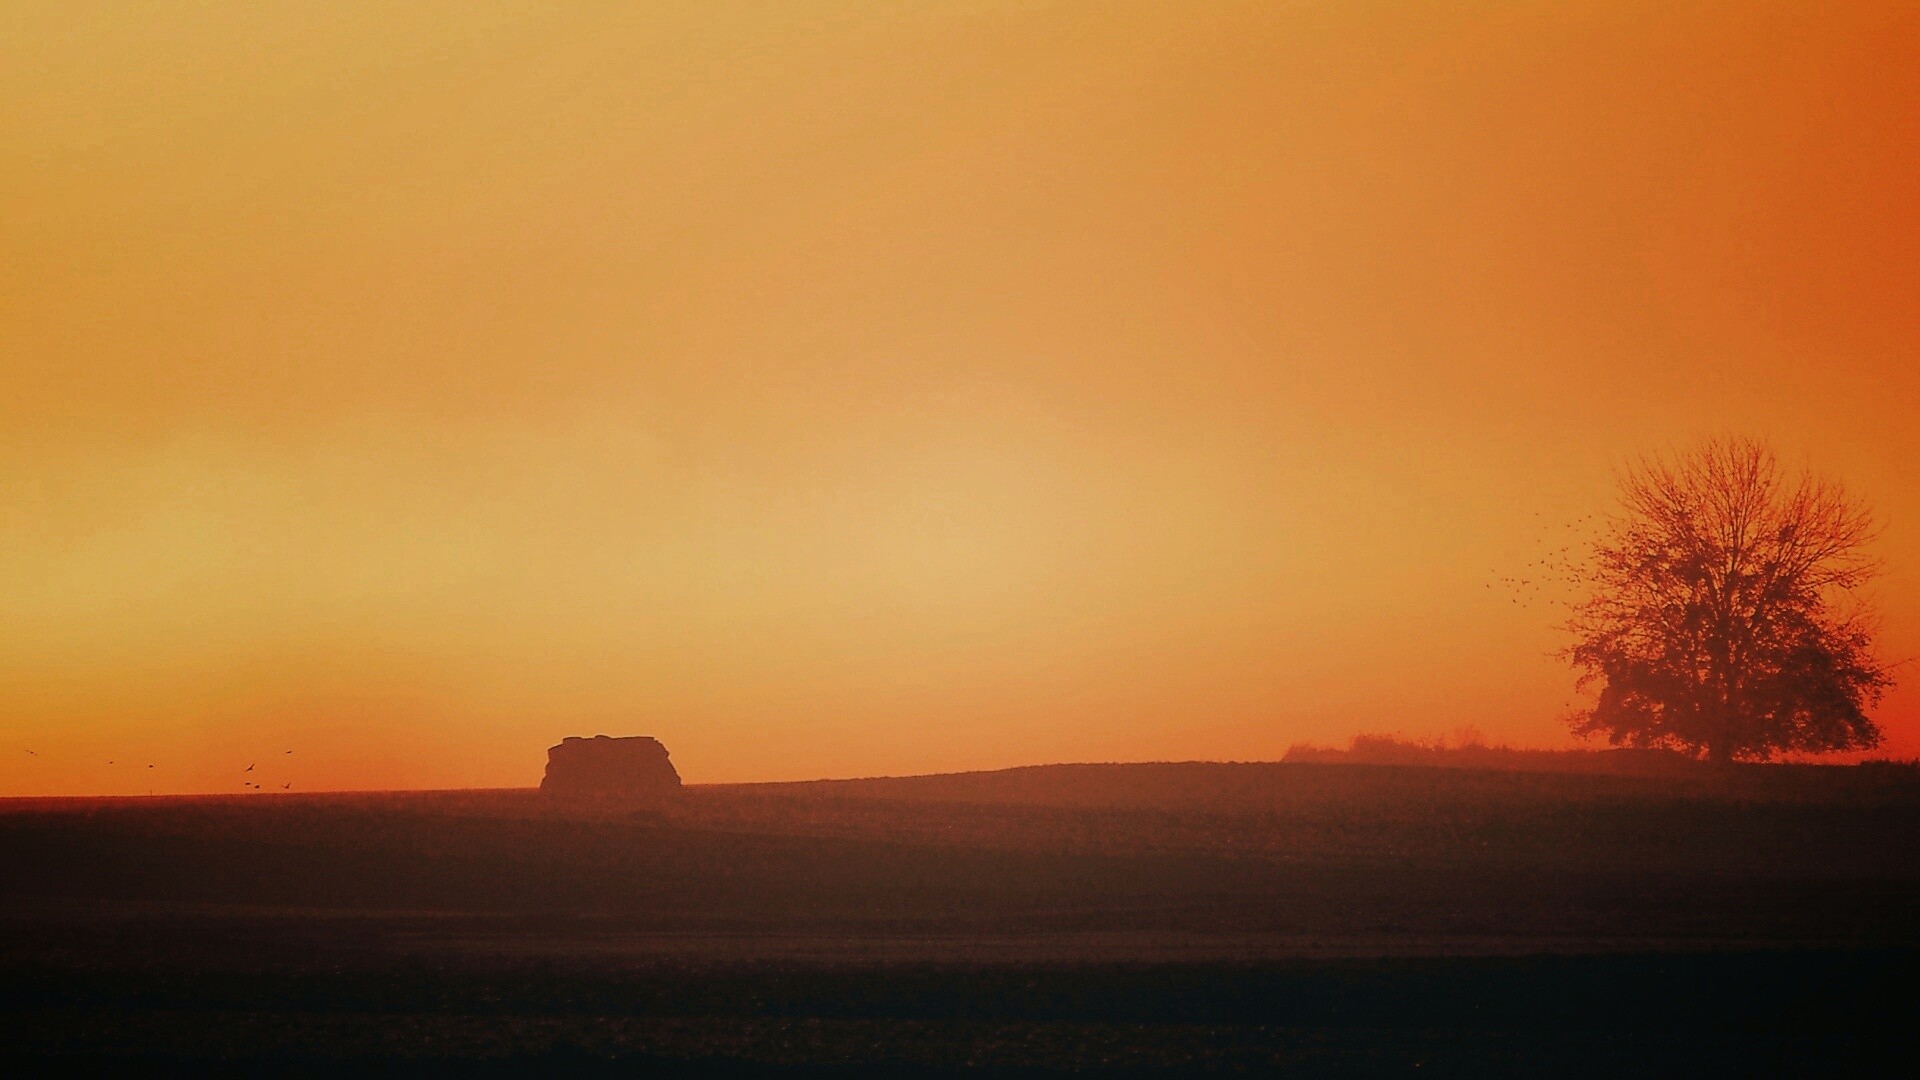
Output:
x=1468 y=749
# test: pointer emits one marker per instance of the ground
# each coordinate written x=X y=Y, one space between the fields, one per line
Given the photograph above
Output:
x=1319 y=919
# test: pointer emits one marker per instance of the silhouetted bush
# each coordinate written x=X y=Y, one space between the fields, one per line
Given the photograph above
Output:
x=1469 y=751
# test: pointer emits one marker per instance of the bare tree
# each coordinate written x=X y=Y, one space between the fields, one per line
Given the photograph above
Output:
x=1726 y=614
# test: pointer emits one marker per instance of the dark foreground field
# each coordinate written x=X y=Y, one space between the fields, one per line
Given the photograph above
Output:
x=1320 y=919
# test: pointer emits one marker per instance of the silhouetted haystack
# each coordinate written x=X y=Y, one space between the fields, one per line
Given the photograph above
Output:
x=626 y=772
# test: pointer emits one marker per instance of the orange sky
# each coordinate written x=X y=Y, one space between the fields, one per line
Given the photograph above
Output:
x=837 y=389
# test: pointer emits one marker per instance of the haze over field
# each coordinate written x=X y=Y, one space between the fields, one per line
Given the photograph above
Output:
x=924 y=388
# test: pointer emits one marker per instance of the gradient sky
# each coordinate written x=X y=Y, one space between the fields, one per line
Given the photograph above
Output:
x=840 y=389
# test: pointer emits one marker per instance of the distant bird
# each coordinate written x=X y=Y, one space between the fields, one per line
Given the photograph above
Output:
x=32 y=754
x=289 y=751
x=247 y=769
x=149 y=765
x=289 y=783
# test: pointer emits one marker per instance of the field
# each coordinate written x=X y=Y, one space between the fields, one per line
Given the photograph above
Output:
x=1325 y=919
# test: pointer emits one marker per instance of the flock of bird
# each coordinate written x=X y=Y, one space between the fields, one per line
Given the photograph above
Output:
x=288 y=786
x=244 y=782
x=1555 y=570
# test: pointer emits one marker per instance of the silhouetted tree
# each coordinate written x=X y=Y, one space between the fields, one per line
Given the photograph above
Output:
x=1725 y=615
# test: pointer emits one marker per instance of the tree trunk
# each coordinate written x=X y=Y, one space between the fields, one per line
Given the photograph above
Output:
x=1720 y=750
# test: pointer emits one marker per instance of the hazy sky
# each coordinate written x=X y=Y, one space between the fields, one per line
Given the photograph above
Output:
x=838 y=389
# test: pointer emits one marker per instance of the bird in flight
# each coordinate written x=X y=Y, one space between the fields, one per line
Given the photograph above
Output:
x=286 y=785
x=247 y=769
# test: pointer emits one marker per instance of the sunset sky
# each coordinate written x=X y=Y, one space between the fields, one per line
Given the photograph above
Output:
x=835 y=389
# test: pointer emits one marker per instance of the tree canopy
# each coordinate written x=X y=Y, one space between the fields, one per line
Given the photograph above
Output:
x=1726 y=613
